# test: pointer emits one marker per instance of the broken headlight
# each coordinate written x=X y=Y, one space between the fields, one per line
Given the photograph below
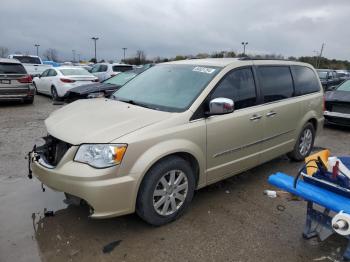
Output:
x=100 y=155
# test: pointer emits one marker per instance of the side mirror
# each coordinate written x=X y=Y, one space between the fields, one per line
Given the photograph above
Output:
x=220 y=106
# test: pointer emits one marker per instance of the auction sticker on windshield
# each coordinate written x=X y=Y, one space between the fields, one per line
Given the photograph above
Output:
x=204 y=70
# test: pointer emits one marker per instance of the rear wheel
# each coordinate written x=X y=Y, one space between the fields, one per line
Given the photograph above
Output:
x=54 y=94
x=166 y=191
x=304 y=144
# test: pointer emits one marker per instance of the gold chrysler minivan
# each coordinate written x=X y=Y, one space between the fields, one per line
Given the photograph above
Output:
x=177 y=127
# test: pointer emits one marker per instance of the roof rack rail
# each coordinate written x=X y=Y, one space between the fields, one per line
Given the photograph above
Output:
x=252 y=58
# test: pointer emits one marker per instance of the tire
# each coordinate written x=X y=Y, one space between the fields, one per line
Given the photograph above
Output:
x=158 y=204
x=54 y=94
x=306 y=138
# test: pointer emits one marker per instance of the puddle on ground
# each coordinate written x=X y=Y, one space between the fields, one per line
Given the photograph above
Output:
x=22 y=205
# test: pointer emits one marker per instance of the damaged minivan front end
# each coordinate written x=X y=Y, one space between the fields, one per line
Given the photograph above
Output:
x=107 y=195
x=74 y=161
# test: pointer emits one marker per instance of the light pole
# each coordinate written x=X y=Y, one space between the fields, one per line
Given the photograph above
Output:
x=244 y=45
x=320 y=56
x=37 y=49
x=315 y=57
x=124 y=49
x=73 y=51
x=79 y=58
x=95 y=40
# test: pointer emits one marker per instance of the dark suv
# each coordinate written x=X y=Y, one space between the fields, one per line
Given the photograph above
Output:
x=15 y=83
x=329 y=78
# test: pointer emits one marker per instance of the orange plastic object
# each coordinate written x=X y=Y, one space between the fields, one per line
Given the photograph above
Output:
x=311 y=167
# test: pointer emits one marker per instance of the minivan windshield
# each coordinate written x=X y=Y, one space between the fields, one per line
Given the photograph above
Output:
x=167 y=87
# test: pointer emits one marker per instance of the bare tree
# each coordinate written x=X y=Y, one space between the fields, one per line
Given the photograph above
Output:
x=141 y=56
x=4 y=51
x=51 y=54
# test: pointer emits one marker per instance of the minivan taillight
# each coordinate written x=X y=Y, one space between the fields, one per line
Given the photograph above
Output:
x=25 y=79
x=66 y=80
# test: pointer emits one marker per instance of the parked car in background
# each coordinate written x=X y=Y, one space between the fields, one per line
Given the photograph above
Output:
x=15 y=82
x=57 y=81
x=104 y=89
x=104 y=70
x=337 y=105
x=32 y=63
x=86 y=67
x=51 y=63
x=329 y=78
x=177 y=127
x=343 y=74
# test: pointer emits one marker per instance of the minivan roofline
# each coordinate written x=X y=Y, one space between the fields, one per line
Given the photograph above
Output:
x=224 y=62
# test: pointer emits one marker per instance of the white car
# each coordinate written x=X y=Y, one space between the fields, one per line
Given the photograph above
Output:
x=57 y=81
x=32 y=63
x=104 y=70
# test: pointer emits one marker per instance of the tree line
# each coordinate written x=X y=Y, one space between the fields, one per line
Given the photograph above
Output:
x=140 y=58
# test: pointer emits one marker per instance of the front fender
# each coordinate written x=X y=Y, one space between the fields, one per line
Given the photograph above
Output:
x=166 y=148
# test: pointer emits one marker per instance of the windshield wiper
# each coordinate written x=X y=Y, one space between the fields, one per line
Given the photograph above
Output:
x=133 y=102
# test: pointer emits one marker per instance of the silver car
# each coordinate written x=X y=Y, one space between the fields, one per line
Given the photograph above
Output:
x=15 y=83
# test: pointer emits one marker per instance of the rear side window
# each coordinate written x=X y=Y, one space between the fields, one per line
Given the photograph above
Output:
x=103 y=68
x=95 y=69
x=52 y=73
x=276 y=83
x=45 y=73
x=11 y=68
x=305 y=80
x=239 y=86
x=121 y=68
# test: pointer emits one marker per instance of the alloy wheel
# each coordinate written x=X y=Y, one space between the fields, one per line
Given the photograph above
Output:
x=305 y=142
x=170 y=192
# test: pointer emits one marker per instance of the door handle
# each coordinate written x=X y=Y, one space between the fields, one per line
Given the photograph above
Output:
x=271 y=114
x=255 y=117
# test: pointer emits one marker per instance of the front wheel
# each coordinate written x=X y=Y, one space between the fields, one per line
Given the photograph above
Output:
x=304 y=144
x=166 y=191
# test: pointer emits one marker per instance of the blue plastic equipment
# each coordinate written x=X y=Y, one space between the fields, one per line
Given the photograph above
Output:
x=318 y=224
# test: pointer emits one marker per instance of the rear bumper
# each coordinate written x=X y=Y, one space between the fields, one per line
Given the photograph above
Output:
x=17 y=93
x=337 y=118
x=107 y=194
x=70 y=97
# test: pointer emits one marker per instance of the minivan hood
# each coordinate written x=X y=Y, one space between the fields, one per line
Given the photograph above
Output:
x=99 y=120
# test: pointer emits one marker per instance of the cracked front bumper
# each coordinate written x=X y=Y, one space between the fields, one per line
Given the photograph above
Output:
x=109 y=195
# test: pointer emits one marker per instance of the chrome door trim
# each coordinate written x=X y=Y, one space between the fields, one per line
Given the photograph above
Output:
x=232 y=150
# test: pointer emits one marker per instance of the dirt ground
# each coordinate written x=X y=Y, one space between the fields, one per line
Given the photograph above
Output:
x=228 y=221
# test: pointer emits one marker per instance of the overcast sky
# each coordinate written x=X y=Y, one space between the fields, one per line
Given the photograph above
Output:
x=171 y=27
